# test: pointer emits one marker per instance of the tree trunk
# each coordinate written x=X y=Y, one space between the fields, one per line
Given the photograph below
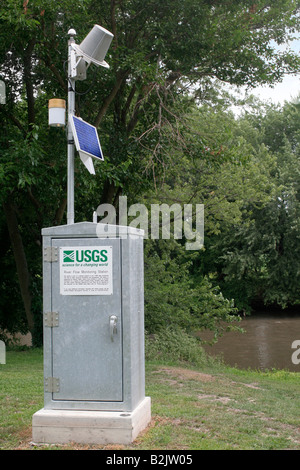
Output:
x=108 y=193
x=28 y=82
x=20 y=259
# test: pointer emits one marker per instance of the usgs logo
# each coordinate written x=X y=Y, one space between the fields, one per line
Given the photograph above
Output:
x=85 y=255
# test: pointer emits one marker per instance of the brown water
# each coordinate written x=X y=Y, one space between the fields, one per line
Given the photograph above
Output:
x=266 y=343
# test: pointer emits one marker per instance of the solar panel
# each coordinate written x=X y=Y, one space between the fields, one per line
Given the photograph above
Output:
x=86 y=138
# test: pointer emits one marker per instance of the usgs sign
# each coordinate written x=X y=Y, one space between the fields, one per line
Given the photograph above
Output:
x=86 y=270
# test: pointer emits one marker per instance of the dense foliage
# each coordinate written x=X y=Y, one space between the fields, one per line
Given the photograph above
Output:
x=167 y=135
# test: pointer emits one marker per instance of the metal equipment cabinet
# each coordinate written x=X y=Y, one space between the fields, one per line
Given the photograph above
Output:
x=93 y=332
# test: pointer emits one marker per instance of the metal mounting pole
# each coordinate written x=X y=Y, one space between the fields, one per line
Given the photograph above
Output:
x=71 y=111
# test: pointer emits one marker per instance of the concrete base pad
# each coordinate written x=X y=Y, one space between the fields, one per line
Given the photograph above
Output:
x=90 y=427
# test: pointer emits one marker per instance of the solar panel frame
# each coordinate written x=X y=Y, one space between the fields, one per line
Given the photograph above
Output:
x=86 y=138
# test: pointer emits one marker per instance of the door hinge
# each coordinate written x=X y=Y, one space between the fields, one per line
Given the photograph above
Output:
x=51 y=319
x=50 y=254
x=51 y=384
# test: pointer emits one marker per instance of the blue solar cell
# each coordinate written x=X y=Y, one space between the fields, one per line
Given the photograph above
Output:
x=86 y=138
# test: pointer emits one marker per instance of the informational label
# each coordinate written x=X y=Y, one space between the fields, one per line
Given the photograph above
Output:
x=86 y=270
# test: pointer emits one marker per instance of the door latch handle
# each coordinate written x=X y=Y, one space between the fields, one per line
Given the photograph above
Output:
x=113 y=326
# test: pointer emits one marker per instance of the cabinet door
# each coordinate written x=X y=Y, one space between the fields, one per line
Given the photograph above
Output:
x=87 y=344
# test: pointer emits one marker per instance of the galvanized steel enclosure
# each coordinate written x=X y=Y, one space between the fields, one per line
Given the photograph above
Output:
x=93 y=317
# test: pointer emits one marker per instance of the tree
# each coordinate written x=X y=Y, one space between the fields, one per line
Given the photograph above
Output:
x=259 y=259
x=176 y=299
x=162 y=57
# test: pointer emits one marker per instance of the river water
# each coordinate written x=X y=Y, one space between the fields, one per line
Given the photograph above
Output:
x=266 y=343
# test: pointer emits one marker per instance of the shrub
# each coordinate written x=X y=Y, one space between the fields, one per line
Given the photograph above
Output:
x=175 y=345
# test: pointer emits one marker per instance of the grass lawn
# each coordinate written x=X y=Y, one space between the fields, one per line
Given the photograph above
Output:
x=209 y=407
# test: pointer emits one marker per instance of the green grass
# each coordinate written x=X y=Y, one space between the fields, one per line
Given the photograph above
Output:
x=210 y=406
x=223 y=408
x=21 y=395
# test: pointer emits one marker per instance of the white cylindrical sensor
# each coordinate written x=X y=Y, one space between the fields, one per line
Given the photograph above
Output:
x=57 y=112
